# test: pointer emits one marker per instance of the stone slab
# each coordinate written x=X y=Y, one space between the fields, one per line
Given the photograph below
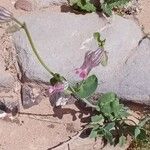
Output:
x=62 y=40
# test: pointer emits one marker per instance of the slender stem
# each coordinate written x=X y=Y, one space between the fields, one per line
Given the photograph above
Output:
x=24 y=26
x=88 y=103
x=17 y=21
x=129 y=120
x=33 y=47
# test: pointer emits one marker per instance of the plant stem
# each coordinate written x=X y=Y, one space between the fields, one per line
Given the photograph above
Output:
x=129 y=120
x=24 y=26
x=88 y=103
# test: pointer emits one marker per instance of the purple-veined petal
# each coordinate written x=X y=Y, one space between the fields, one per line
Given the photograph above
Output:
x=5 y=15
x=91 y=60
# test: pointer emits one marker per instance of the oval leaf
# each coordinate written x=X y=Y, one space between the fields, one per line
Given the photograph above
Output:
x=87 y=87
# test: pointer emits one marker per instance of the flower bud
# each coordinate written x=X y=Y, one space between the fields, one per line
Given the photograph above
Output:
x=5 y=15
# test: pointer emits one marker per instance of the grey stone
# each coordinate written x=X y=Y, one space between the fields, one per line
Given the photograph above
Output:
x=135 y=83
x=58 y=37
x=62 y=40
x=6 y=79
x=30 y=95
x=46 y=3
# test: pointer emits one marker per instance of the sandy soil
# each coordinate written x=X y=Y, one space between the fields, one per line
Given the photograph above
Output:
x=143 y=16
x=48 y=127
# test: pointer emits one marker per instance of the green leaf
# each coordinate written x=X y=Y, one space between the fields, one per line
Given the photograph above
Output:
x=93 y=134
x=87 y=87
x=137 y=131
x=83 y=5
x=97 y=118
x=142 y=135
x=13 y=28
x=109 y=126
x=107 y=98
x=108 y=136
x=97 y=36
x=100 y=41
x=109 y=5
x=106 y=9
x=122 y=140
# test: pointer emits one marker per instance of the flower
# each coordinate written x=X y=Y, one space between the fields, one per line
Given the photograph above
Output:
x=91 y=60
x=5 y=15
x=57 y=94
x=58 y=87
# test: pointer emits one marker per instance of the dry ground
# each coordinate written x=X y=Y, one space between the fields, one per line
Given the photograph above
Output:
x=49 y=128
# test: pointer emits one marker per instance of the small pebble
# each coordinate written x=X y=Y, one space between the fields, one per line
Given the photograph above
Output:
x=24 y=5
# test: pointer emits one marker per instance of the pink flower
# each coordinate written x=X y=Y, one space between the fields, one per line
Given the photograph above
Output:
x=57 y=94
x=91 y=60
x=5 y=15
x=58 y=87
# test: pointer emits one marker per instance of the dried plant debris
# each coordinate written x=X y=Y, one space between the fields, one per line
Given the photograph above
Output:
x=30 y=96
x=8 y=109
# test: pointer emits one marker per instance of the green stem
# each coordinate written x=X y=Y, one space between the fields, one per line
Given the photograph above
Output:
x=88 y=103
x=33 y=47
x=24 y=26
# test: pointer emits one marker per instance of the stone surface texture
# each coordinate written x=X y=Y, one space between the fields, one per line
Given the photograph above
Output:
x=46 y=3
x=135 y=82
x=62 y=40
x=6 y=79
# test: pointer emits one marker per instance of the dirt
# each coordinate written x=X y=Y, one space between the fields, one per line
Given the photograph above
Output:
x=143 y=15
x=42 y=127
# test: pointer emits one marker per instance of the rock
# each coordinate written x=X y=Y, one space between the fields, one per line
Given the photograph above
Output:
x=54 y=40
x=6 y=79
x=30 y=95
x=62 y=40
x=24 y=5
x=46 y=3
x=135 y=82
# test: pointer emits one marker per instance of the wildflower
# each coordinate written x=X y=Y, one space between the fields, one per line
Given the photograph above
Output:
x=57 y=94
x=91 y=60
x=5 y=15
x=58 y=87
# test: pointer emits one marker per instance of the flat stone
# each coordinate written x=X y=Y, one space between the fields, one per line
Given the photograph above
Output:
x=62 y=40
x=58 y=37
x=135 y=83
